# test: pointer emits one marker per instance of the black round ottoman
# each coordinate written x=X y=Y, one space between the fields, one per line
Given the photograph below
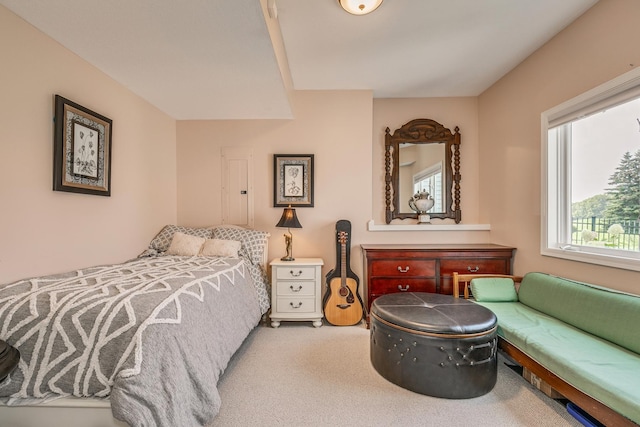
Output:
x=434 y=344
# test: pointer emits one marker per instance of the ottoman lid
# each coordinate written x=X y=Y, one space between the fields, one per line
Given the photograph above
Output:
x=434 y=313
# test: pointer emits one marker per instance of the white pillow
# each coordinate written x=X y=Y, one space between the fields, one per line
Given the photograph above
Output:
x=221 y=248
x=185 y=245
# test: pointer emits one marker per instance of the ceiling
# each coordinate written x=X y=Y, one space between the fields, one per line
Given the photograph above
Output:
x=239 y=59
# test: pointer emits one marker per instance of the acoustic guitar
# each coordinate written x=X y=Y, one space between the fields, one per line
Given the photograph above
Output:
x=342 y=304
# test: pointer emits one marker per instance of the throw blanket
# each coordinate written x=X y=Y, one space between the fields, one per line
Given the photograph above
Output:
x=154 y=334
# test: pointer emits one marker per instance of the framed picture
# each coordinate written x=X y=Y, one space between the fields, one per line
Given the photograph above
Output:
x=82 y=150
x=293 y=180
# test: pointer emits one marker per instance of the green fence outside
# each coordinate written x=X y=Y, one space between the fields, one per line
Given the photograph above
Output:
x=602 y=232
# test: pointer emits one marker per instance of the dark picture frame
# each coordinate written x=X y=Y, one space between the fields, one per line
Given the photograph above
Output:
x=293 y=180
x=82 y=149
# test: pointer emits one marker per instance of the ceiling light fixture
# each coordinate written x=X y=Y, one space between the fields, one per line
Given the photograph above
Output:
x=360 y=7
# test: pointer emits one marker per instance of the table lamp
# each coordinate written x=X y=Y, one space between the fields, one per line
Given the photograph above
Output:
x=288 y=220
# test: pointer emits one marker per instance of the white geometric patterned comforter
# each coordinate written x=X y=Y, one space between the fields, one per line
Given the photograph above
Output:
x=153 y=334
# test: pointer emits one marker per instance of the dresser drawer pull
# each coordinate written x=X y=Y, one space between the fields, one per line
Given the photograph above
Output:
x=294 y=274
x=403 y=270
x=473 y=270
x=405 y=289
x=295 y=290
x=296 y=305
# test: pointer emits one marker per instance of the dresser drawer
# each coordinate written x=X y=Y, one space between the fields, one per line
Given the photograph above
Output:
x=403 y=267
x=295 y=305
x=386 y=286
x=296 y=287
x=296 y=273
x=475 y=265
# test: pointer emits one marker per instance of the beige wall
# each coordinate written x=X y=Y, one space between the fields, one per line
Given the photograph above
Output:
x=333 y=126
x=42 y=231
x=599 y=46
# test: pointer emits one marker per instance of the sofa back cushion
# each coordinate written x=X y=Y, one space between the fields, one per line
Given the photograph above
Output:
x=605 y=313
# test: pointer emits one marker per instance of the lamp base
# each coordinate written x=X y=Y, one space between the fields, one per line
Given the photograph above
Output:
x=287 y=258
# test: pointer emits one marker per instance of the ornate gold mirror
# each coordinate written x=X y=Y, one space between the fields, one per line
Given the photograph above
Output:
x=422 y=157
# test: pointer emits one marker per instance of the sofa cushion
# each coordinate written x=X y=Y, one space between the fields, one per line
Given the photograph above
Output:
x=605 y=313
x=494 y=289
x=603 y=370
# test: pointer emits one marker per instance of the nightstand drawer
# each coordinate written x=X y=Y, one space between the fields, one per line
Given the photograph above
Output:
x=294 y=288
x=295 y=272
x=295 y=305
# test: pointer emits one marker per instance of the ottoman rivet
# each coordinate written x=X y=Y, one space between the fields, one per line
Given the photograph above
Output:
x=441 y=348
x=449 y=358
x=401 y=354
x=400 y=339
x=442 y=364
x=415 y=359
x=415 y=343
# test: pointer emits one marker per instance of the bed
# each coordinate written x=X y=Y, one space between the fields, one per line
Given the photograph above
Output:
x=141 y=343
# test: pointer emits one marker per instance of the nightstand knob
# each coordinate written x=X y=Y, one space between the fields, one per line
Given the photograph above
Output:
x=296 y=306
x=295 y=290
x=403 y=270
x=473 y=270
x=294 y=274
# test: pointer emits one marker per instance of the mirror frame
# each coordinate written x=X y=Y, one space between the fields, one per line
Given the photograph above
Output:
x=422 y=131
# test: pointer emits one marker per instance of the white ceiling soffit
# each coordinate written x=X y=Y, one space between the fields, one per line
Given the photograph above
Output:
x=195 y=59
x=219 y=59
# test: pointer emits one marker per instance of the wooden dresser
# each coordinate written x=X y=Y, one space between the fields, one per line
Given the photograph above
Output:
x=428 y=268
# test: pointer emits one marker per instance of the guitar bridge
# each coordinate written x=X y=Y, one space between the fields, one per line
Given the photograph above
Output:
x=343 y=306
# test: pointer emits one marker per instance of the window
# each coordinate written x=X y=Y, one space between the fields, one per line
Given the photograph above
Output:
x=591 y=176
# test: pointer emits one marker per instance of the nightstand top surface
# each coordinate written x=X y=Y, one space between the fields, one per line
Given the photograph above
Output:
x=298 y=261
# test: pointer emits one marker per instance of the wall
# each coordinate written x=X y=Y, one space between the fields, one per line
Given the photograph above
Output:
x=42 y=231
x=597 y=47
x=333 y=126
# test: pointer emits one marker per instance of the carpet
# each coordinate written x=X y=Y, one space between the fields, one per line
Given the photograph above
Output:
x=297 y=375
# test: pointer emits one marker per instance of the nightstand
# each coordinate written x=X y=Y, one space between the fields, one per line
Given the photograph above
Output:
x=296 y=289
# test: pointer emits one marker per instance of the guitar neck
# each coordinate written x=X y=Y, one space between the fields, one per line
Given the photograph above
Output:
x=343 y=264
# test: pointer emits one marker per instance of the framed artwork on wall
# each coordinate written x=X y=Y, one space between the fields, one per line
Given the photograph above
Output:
x=82 y=149
x=293 y=180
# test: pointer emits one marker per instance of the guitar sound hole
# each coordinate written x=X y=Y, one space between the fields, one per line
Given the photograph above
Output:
x=344 y=292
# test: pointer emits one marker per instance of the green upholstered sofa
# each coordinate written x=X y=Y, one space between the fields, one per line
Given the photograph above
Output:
x=581 y=339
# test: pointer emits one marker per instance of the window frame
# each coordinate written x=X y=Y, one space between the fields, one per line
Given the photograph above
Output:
x=556 y=174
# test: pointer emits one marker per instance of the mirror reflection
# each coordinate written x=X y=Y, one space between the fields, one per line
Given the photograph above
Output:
x=422 y=180
x=421 y=169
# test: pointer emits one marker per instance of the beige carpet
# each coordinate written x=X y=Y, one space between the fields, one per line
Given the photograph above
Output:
x=297 y=375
